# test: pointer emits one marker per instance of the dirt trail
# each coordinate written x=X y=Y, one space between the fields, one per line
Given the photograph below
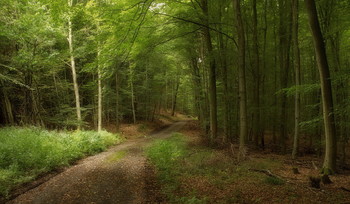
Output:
x=115 y=176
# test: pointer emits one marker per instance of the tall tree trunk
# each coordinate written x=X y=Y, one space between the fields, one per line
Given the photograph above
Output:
x=275 y=100
x=132 y=96
x=117 y=124
x=329 y=165
x=173 y=108
x=212 y=73
x=296 y=50
x=243 y=133
x=262 y=127
x=256 y=114
x=223 y=62
x=284 y=48
x=8 y=113
x=74 y=74
x=99 y=105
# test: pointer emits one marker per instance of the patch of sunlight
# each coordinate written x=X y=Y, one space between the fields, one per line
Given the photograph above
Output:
x=115 y=157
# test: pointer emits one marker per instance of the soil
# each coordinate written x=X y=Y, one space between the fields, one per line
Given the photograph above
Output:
x=119 y=175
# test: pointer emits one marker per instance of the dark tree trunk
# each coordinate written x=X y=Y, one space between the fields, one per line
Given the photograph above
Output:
x=212 y=73
x=243 y=133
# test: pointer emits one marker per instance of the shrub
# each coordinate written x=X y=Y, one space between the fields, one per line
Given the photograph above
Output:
x=27 y=152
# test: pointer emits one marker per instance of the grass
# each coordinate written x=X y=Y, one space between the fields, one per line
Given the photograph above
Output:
x=274 y=180
x=26 y=153
x=193 y=174
x=116 y=157
x=165 y=155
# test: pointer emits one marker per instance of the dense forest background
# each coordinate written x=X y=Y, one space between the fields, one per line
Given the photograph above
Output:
x=246 y=69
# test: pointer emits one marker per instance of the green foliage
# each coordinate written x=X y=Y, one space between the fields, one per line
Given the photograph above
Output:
x=273 y=180
x=28 y=152
x=175 y=161
x=165 y=155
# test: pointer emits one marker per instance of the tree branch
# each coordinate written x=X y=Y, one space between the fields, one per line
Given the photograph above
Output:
x=201 y=25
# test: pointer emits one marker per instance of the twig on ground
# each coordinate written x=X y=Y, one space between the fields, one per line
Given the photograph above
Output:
x=267 y=172
x=345 y=189
x=314 y=165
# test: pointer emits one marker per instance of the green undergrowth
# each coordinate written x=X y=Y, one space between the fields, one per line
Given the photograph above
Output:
x=26 y=153
x=189 y=173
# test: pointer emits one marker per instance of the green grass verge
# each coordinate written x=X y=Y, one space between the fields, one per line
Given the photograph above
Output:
x=177 y=162
x=27 y=152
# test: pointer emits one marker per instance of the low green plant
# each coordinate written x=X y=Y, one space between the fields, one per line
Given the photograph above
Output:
x=191 y=200
x=116 y=157
x=27 y=152
x=165 y=155
x=273 y=180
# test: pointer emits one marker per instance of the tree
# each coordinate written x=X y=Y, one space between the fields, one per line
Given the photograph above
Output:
x=257 y=81
x=212 y=71
x=329 y=164
x=243 y=133
x=296 y=52
x=284 y=60
x=72 y=65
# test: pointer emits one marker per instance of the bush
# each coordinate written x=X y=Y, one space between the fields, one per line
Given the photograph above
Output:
x=27 y=152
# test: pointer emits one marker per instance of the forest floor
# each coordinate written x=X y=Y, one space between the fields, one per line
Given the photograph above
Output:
x=119 y=175
x=207 y=175
x=195 y=173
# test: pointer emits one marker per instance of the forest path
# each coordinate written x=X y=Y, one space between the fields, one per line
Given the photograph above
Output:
x=115 y=176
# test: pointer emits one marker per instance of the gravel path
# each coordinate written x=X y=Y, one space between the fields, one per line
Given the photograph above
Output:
x=115 y=176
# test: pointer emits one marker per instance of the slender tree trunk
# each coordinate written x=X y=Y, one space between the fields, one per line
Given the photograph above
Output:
x=256 y=114
x=74 y=74
x=296 y=50
x=223 y=63
x=8 y=113
x=117 y=124
x=212 y=74
x=242 y=81
x=132 y=96
x=329 y=165
x=284 y=65
x=99 y=105
x=173 y=108
x=262 y=127
x=275 y=101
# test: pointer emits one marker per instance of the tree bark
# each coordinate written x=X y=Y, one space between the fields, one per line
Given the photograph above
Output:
x=132 y=96
x=8 y=113
x=256 y=113
x=74 y=74
x=226 y=96
x=296 y=50
x=212 y=73
x=117 y=124
x=173 y=108
x=329 y=164
x=99 y=105
x=243 y=133
x=284 y=47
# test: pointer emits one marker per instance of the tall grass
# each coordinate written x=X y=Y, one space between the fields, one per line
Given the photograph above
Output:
x=27 y=152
